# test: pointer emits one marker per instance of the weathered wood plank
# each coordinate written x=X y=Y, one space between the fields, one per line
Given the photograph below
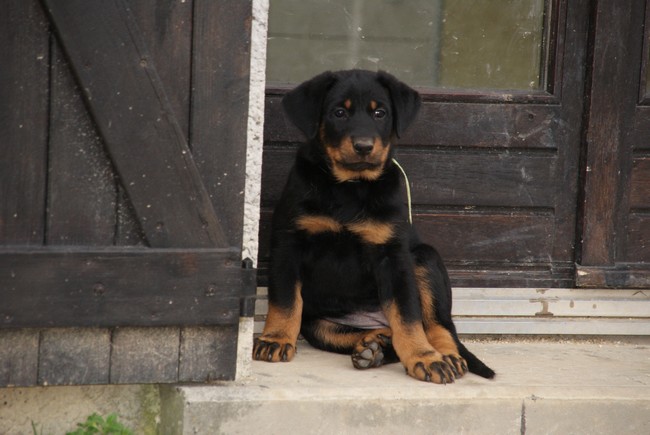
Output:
x=455 y=124
x=132 y=113
x=18 y=357
x=81 y=185
x=517 y=238
x=74 y=356
x=439 y=177
x=618 y=40
x=166 y=29
x=638 y=238
x=570 y=68
x=481 y=179
x=220 y=84
x=640 y=184
x=55 y=287
x=508 y=274
x=208 y=354
x=145 y=355
x=640 y=139
x=622 y=275
x=24 y=56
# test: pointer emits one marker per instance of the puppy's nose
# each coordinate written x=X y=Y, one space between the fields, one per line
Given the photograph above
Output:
x=363 y=145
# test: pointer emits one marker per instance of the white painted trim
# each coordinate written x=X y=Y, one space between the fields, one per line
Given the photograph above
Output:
x=552 y=326
x=537 y=311
x=551 y=302
x=253 y=188
x=255 y=130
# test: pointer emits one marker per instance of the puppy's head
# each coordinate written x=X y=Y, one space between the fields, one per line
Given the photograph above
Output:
x=354 y=116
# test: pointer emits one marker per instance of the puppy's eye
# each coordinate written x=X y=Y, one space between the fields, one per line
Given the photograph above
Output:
x=340 y=113
x=379 y=113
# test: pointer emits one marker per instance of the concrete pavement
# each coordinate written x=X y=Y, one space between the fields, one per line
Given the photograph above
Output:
x=542 y=387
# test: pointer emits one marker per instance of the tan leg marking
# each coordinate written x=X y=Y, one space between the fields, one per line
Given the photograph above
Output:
x=418 y=356
x=278 y=340
x=439 y=337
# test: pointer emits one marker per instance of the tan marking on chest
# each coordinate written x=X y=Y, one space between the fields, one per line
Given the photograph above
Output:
x=316 y=224
x=372 y=231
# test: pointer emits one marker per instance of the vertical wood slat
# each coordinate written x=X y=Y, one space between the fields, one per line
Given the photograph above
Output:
x=74 y=356
x=208 y=353
x=18 y=357
x=573 y=71
x=71 y=356
x=134 y=117
x=24 y=75
x=145 y=355
x=82 y=187
x=613 y=95
x=220 y=85
x=166 y=27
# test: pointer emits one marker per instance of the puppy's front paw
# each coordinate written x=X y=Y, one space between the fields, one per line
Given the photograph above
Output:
x=429 y=366
x=457 y=363
x=273 y=349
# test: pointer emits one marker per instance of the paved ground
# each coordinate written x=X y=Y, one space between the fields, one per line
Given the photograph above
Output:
x=542 y=386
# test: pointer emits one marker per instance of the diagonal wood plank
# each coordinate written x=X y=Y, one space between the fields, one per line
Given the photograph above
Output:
x=24 y=56
x=142 y=136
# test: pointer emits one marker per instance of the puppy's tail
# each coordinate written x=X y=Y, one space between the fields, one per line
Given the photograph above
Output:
x=474 y=364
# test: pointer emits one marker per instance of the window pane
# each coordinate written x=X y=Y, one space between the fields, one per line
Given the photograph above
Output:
x=429 y=43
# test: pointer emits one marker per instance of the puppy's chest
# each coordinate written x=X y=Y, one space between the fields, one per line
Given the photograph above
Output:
x=363 y=220
x=368 y=230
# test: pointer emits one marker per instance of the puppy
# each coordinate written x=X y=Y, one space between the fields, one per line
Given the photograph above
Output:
x=348 y=271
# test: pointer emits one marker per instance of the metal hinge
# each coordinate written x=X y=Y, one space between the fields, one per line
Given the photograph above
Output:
x=249 y=289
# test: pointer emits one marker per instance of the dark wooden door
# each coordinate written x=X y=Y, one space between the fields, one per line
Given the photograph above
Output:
x=494 y=174
x=123 y=140
x=616 y=203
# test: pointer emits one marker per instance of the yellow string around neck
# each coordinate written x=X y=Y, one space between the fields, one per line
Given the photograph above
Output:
x=408 y=190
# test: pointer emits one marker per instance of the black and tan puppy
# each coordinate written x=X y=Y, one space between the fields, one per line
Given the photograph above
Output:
x=347 y=268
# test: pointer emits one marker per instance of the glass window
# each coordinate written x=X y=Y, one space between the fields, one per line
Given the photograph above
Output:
x=468 y=44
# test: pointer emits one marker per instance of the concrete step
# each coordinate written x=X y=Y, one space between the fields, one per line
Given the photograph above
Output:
x=542 y=386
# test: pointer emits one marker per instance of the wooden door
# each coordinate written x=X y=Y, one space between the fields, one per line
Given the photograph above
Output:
x=494 y=172
x=616 y=204
x=123 y=137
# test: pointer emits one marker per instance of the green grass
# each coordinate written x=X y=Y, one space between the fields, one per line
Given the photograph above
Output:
x=95 y=424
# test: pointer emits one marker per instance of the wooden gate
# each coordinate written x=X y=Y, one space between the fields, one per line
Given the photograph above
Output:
x=123 y=136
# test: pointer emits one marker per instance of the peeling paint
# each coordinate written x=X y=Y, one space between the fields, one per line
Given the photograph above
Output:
x=545 y=302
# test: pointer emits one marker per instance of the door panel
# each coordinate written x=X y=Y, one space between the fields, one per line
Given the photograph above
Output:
x=616 y=225
x=494 y=172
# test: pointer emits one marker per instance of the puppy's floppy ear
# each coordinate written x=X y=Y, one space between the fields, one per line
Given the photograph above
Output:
x=305 y=103
x=406 y=101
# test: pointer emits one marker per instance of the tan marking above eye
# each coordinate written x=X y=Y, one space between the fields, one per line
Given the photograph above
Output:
x=347 y=104
x=373 y=104
x=315 y=224
x=372 y=231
